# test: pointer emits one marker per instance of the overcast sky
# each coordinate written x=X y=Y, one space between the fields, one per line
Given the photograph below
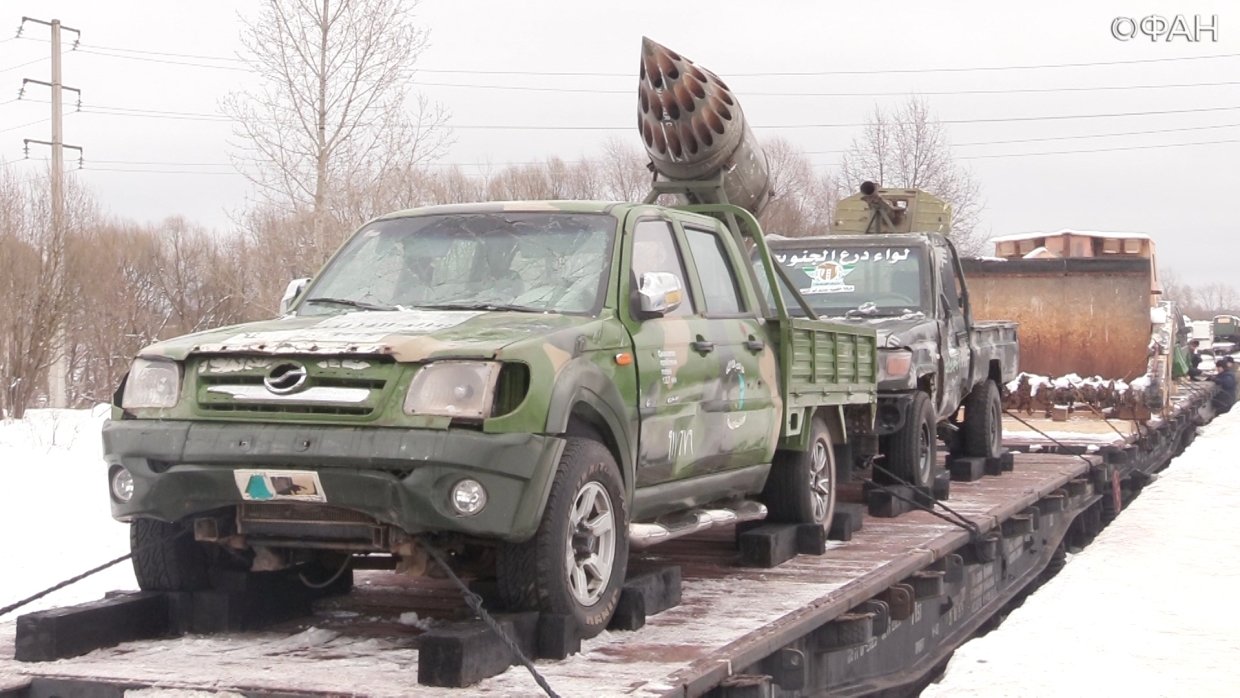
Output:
x=1182 y=195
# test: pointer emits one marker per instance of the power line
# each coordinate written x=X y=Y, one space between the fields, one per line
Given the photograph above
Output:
x=162 y=162
x=200 y=116
x=1097 y=135
x=192 y=172
x=1012 y=119
x=163 y=53
x=90 y=108
x=892 y=93
x=162 y=60
x=118 y=52
x=1005 y=141
x=1043 y=139
x=156 y=115
x=962 y=69
x=32 y=123
x=1099 y=150
x=817 y=165
x=23 y=65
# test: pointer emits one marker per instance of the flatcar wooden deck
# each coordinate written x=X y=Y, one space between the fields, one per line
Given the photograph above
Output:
x=728 y=615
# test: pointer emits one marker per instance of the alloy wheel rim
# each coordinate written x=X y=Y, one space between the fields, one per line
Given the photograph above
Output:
x=820 y=480
x=590 y=551
x=923 y=455
x=996 y=429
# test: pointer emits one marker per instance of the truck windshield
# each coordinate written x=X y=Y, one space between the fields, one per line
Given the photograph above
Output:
x=860 y=280
x=541 y=262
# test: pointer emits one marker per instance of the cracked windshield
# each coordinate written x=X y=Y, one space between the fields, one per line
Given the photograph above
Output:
x=542 y=262
x=855 y=281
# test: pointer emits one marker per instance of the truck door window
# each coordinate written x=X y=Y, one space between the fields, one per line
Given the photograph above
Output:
x=948 y=281
x=654 y=249
x=715 y=274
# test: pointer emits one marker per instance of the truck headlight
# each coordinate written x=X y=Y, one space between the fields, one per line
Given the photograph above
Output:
x=121 y=482
x=152 y=383
x=894 y=364
x=468 y=497
x=453 y=389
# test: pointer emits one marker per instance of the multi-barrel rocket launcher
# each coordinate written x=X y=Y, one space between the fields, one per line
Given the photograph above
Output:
x=696 y=135
x=705 y=156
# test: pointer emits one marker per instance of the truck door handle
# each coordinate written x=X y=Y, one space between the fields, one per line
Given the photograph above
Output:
x=702 y=345
x=755 y=345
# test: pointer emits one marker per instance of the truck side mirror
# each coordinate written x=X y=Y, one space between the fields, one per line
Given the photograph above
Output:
x=291 y=292
x=661 y=292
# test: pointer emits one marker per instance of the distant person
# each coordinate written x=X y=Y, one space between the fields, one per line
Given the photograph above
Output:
x=1194 y=360
x=1225 y=379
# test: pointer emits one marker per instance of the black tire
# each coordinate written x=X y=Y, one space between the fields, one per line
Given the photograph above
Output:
x=801 y=486
x=534 y=575
x=167 y=558
x=911 y=452
x=982 y=431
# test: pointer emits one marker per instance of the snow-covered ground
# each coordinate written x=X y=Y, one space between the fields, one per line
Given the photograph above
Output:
x=54 y=509
x=1147 y=610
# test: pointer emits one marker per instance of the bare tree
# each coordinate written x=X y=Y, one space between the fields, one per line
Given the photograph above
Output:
x=1217 y=298
x=34 y=257
x=333 y=115
x=802 y=200
x=624 y=171
x=909 y=148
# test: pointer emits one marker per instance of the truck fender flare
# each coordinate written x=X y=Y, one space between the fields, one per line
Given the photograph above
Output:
x=582 y=383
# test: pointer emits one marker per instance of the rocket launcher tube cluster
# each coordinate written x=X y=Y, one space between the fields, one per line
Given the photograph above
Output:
x=693 y=127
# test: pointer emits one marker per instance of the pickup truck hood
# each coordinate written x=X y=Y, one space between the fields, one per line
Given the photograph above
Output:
x=406 y=335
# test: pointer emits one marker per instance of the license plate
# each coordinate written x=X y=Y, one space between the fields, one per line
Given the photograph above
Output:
x=272 y=485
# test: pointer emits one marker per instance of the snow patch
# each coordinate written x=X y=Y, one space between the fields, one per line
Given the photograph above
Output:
x=1146 y=590
x=411 y=619
x=55 y=481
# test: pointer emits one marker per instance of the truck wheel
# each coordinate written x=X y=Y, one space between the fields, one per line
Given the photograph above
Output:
x=801 y=486
x=165 y=561
x=911 y=451
x=983 y=422
x=575 y=564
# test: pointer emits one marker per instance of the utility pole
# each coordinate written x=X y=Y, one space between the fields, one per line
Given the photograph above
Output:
x=58 y=372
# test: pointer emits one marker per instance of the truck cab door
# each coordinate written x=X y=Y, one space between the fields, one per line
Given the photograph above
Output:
x=670 y=364
x=741 y=407
x=956 y=358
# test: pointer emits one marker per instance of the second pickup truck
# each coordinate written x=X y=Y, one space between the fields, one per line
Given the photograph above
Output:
x=890 y=265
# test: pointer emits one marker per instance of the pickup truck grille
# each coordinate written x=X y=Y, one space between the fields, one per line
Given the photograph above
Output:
x=350 y=388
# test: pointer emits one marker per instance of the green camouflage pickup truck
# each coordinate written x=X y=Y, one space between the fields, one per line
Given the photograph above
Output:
x=534 y=383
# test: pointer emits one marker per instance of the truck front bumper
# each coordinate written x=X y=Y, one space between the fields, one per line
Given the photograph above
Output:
x=401 y=477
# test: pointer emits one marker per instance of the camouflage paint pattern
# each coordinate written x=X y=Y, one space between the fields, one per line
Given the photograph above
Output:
x=670 y=412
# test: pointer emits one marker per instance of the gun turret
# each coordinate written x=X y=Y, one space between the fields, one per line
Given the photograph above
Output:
x=694 y=130
x=878 y=210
